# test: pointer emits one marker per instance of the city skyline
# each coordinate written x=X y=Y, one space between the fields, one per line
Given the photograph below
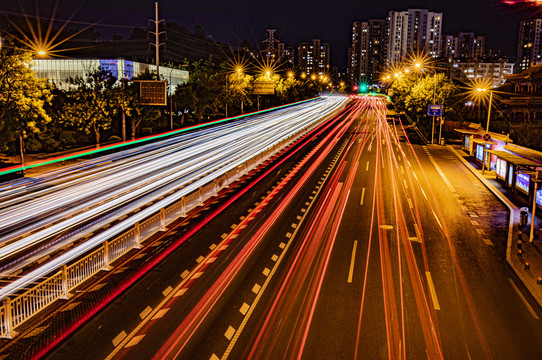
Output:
x=236 y=21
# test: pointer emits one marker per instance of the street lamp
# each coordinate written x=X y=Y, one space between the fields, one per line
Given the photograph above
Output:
x=418 y=65
x=489 y=106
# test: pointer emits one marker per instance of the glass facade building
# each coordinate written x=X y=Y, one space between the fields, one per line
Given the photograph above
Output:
x=58 y=71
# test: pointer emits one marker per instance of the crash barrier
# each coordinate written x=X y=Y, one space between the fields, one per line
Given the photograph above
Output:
x=20 y=307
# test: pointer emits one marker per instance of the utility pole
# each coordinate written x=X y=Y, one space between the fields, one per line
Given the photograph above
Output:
x=156 y=43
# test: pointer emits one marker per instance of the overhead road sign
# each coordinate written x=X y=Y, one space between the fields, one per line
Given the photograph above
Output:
x=434 y=110
x=152 y=92
x=263 y=87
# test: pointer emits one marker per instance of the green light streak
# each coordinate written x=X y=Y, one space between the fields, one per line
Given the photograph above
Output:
x=142 y=140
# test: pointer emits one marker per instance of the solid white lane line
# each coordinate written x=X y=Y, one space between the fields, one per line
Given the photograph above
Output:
x=362 y=196
x=160 y=314
x=417 y=232
x=135 y=340
x=352 y=261
x=432 y=290
x=527 y=305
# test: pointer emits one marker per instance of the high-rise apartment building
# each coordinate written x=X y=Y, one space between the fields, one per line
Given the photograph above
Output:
x=464 y=45
x=313 y=57
x=529 y=43
x=415 y=31
x=367 y=52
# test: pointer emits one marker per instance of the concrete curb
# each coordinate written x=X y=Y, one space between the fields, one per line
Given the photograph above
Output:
x=528 y=279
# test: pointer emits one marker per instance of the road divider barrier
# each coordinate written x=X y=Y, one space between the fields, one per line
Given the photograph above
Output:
x=22 y=305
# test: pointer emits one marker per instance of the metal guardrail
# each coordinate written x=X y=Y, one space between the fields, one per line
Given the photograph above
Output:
x=15 y=311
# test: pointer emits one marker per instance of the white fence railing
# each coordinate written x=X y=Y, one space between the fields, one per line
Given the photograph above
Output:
x=19 y=308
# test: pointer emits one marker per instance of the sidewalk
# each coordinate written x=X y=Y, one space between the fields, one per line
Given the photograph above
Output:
x=528 y=264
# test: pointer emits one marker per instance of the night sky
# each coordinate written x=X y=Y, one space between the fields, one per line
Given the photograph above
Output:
x=296 y=21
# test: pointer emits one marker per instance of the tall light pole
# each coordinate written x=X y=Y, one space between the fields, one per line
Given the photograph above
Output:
x=419 y=66
x=489 y=106
x=487 y=126
x=170 y=100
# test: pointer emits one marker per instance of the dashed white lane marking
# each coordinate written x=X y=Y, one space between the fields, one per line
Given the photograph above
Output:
x=119 y=338
x=36 y=332
x=185 y=274
x=244 y=308
x=274 y=257
x=212 y=247
x=487 y=242
x=352 y=261
x=266 y=272
x=288 y=235
x=200 y=259
x=160 y=314
x=229 y=333
x=525 y=302
x=135 y=340
x=362 y=196
x=145 y=312
x=367 y=167
x=98 y=287
x=294 y=225
x=410 y=205
x=71 y=306
x=282 y=245
x=432 y=290
x=256 y=288
x=167 y=291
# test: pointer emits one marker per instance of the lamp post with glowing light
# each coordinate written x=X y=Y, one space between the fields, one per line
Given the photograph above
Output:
x=489 y=106
x=419 y=65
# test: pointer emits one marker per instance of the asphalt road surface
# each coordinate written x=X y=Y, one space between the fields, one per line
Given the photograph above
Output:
x=365 y=248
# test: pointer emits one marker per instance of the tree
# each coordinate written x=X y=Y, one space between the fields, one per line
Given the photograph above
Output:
x=91 y=104
x=239 y=85
x=205 y=86
x=126 y=98
x=421 y=96
x=22 y=99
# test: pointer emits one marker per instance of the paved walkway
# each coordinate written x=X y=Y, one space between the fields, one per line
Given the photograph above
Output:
x=527 y=264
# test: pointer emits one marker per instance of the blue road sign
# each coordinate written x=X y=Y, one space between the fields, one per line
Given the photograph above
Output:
x=434 y=110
